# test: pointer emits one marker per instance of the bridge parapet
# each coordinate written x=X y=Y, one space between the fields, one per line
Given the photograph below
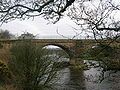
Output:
x=73 y=47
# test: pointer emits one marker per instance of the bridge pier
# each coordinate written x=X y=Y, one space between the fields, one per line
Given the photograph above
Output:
x=76 y=61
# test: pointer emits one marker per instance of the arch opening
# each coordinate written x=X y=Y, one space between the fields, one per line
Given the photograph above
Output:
x=57 y=51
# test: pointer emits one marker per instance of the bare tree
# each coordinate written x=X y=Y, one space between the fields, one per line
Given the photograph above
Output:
x=22 y=9
x=97 y=16
x=101 y=18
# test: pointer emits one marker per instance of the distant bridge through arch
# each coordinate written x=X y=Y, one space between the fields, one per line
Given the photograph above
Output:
x=74 y=48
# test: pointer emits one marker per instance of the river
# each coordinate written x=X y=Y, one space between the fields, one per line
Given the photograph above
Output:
x=71 y=79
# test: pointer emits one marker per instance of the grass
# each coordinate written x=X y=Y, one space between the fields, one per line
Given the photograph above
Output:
x=4 y=55
x=7 y=87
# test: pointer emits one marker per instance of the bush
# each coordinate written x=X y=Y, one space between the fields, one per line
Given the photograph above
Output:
x=31 y=67
x=100 y=52
x=4 y=73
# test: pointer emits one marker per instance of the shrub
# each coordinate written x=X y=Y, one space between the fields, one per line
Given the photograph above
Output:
x=100 y=52
x=31 y=67
x=4 y=73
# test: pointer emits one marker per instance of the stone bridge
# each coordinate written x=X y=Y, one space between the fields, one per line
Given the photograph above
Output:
x=74 y=47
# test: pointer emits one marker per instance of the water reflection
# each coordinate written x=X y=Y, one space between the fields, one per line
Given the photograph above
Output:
x=71 y=79
x=77 y=79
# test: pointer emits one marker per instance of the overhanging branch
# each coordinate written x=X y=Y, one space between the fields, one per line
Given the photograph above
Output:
x=46 y=9
x=110 y=29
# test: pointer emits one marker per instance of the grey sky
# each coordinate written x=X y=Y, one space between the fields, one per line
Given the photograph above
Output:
x=40 y=27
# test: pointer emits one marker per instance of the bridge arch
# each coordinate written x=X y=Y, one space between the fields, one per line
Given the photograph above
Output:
x=62 y=47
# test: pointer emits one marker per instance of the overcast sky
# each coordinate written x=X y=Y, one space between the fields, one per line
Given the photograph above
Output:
x=42 y=27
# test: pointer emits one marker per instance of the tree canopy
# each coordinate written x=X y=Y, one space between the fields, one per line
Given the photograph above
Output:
x=101 y=17
x=21 y=9
x=5 y=34
x=26 y=35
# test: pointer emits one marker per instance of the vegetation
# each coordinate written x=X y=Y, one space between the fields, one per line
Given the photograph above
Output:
x=99 y=17
x=5 y=34
x=26 y=35
x=30 y=67
x=12 y=9
x=100 y=51
x=108 y=55
x=4 y=73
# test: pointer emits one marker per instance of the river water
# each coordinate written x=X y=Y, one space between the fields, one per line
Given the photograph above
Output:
x=71 y=79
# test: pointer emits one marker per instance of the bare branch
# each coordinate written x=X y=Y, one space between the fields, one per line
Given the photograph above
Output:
x=21 y=9
x=114 y=29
